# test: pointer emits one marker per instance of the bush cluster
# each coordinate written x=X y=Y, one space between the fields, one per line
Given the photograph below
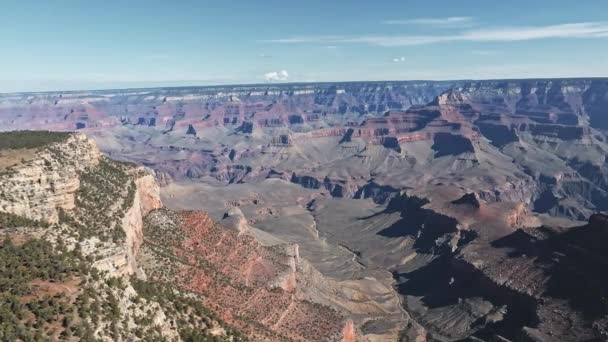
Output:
x=192 y=318
x=8 y=220
x=30 y=139
x=24 y=314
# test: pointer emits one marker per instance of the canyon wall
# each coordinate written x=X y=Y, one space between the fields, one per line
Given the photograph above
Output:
x=47 y=182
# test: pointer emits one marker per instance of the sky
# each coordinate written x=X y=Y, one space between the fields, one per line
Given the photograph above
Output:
x=92 y=44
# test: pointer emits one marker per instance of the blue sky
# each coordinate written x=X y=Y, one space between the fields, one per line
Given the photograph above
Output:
x=62 y=44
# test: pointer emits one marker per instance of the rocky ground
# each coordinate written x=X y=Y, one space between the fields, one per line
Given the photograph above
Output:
x=261 y=290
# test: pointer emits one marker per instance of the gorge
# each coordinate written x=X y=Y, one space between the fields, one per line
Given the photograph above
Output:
x=368 y=211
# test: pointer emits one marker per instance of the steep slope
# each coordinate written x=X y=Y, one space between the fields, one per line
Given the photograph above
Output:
x=48 y=181
x=243 y=281
x=68 y=252
x=160 y=274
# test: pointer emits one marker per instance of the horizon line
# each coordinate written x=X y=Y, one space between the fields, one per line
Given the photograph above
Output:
x=282 y=84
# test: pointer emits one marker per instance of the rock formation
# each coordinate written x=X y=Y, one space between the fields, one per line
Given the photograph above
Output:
x=542 y=137
x=106 y=222
x=43 y=185
x=458 y=194
x=232 y=267
x=96 y=223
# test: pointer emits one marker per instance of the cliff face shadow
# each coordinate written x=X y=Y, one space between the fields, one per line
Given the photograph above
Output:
x=519 y=244
x=425 y=226
x=578 y=262
x=446 y=144
x=432 y=283
x=446 y=282
x=574 y=263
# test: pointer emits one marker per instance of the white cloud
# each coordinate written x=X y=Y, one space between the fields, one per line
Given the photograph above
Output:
x=276 y=76
x=399 y=59
x=505 y=34
x=573 y=30
x=331 y=47
x=264 y=55
x=437 y=22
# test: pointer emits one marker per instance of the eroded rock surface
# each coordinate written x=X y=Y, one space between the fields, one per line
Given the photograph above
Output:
x=41 y=186
x=435 y=190
x=241 y=279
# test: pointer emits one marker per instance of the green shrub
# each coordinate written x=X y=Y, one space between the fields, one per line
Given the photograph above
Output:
x=30 y=139
x=8 y=220
x=36 y=318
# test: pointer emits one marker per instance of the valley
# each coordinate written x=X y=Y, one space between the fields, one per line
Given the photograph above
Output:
x=359 y=211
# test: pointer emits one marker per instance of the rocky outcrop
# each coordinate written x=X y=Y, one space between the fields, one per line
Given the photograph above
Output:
x=235 y=219
x=148 y=191
x=341 y=188
x=49 y=183
x=40 y=187
x=146 y=199
x=100 y=230
x=132 y=224
x=191 y=130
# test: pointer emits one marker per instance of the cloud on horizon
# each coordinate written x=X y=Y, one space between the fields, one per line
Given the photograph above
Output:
x=501 y=34
x=276 y=76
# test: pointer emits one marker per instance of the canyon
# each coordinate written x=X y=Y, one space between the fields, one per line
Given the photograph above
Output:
x=114 y=216
x=368 y=211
